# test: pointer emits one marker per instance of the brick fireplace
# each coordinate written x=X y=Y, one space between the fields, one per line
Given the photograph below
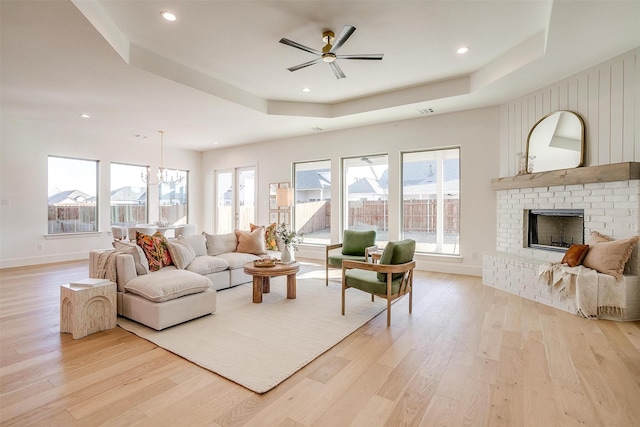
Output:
x=607 y=196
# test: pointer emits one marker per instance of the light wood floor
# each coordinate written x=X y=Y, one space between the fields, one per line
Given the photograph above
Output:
x=468 y=355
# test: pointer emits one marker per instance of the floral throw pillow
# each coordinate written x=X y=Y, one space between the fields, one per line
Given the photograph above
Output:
x=269 y=235
x=155 y=248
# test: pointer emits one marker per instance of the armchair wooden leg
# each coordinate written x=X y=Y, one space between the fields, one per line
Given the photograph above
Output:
x=410 y=299
x=388 y=312
x=343 y=289
x=326 y=275
x=372 y=295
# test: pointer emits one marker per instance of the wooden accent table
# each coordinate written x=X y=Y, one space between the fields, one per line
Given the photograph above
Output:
x=87 y=309
x=262 y=276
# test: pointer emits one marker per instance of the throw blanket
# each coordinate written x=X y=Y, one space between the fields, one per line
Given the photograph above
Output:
x=106 y=266
x=595 y=294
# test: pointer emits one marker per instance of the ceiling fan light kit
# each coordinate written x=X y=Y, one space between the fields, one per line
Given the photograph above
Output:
x=328 y=54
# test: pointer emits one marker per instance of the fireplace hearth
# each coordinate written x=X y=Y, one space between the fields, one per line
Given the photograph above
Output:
x=554 y=229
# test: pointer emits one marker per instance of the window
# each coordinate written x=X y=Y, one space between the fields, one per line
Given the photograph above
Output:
x=431 y=200
x=128 y=195
x=366 y=189
x=173 y=197
x=72 y=190
x=312 y=212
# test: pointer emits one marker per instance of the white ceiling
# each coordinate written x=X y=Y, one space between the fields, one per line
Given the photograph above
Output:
x=219 y=75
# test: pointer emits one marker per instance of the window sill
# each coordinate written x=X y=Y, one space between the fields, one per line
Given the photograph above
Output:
x=72 y=235
x=438 y=257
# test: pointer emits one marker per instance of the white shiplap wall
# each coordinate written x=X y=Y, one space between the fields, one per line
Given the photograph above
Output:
x=607 y=97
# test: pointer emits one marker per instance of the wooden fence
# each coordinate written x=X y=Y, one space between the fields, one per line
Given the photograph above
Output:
x=419 y=215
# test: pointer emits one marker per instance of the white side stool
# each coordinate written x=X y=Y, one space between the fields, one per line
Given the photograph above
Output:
x=87 y=309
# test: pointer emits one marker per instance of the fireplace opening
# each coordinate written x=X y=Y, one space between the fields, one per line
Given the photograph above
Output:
x=555 y=229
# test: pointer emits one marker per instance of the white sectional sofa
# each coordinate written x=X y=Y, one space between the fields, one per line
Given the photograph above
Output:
x=202 y=264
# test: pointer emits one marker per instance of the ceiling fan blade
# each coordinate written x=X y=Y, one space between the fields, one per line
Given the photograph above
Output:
x=367 y=56
x=300 y=46
x=306 y=64
x=346 y=32
x=336 y=70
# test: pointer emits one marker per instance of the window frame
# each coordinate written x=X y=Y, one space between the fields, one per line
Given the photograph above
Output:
x=296 y=214
x=96 y=208
x=382 y=236
x=439 y=238
x=146 y=185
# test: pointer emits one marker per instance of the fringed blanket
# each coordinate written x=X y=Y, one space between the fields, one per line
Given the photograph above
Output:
x=596 y=294
x=106 y=266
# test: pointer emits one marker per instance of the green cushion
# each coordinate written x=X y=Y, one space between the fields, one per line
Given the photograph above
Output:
x=336 y=260
x=368 y=281
x=397 y=253
x=355 y=241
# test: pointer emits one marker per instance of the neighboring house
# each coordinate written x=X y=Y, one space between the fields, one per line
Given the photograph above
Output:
x=70 y=197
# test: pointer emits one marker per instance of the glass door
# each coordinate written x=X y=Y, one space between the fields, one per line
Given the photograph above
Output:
x=235 y=199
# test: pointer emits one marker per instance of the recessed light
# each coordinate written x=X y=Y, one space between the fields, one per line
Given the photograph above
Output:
x=85 y=116
x=462 y=50
x=168 y=16
x=306 y=89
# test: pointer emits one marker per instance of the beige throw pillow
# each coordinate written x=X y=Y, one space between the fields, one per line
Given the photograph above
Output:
x=198 y=243
x=181 y=251
x=251 y=242
x=609 y=257
x=139 y=258
x=220 y=243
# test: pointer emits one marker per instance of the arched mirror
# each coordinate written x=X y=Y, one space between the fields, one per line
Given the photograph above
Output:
x=556 y=142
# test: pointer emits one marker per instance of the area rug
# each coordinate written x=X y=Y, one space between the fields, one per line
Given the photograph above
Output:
x=260 y=345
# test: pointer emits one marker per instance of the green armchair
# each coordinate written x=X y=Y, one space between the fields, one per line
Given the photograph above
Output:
x=356 y=246
x=392 y=278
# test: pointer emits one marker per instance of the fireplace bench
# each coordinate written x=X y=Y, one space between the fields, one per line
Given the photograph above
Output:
x=520 y=276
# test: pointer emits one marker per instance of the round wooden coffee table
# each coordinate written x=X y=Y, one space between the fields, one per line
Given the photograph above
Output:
x=262 y=276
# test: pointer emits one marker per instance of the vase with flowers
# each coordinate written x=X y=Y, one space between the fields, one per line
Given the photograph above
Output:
x=290 y=239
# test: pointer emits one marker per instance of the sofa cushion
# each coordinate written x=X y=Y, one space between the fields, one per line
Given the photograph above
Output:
x=167 y=284
x=220 y=243
x=182 y=253
x=238 y=259
x=155 y=249
x=251 y=242
x=139 y=258
x=208 y=264
x=198 y=243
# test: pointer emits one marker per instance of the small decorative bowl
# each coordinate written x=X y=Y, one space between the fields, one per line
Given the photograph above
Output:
x=264 y=263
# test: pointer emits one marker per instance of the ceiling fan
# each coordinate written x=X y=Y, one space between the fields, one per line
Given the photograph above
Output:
x=329 y=50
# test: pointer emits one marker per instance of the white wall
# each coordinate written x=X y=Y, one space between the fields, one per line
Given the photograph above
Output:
x=475 y=131
x=25 y=147
x=607 y=97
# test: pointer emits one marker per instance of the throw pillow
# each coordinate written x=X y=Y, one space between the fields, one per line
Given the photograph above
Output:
x=220 y=243
x=598 y=238
x=182 y=253
x=610 y=257
x=155 y=249
x=575 y=255
x=198 y=243
x=139 y=258
x=269 y=235
x=251 y=242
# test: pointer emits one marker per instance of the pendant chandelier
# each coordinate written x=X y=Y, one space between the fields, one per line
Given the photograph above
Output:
x=162 y=176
